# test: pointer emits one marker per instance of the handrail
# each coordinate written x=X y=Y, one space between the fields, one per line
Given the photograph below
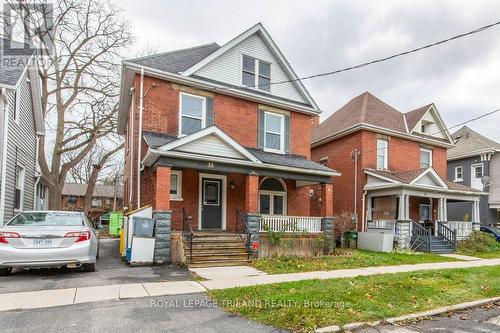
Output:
x=187 y=230
x=244 y=230
x=449 y=235
x=421 y=234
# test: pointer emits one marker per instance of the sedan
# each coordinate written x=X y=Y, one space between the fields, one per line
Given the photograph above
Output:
x=41 y=239
x=494 y=231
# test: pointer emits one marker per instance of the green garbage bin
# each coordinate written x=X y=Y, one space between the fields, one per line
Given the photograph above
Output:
x=115 y=221
x=351 y=237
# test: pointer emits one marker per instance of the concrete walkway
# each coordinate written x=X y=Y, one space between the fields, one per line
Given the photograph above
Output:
x=218 y=278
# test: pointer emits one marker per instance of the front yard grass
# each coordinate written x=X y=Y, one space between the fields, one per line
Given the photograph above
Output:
x=304 y=306
x=481 y=245
x=345 y=259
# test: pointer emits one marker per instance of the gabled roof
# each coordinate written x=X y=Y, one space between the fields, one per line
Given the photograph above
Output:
x=11 y=71
x=102 y=191
x=470 y=143
x=369 y=111
x=179 y=60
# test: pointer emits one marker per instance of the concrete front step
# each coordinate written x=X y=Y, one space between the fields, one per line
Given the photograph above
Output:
x=217 y=263
x=240 y=250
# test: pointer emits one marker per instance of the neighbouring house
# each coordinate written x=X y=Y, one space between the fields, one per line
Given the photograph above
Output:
x=393 y=166
x=105 y=199
x=21 y=128
x=473 y=162
x=210 y=142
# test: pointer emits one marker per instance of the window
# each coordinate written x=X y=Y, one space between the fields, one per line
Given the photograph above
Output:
x=274 y=131
x=176 y=185
x=272 y=197
x=71 y=199
x=478 y=171
x=96 y=202
x=476 y=176
x=425 y=158
x=192 y=113
x=256 y=73
x=422 y=129
x=15 y=101
x=382 y=151
x=459 y=173
x=19 y=188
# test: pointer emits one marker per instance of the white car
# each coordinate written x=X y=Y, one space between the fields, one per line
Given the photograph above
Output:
x=39 y=239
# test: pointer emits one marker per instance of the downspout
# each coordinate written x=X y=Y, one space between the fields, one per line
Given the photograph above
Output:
x=35 y=187
x=139 y=141
x=4 y=107
x=354 y=156
x=131 y=153
x=363 y=212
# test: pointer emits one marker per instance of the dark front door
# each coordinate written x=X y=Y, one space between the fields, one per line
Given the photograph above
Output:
x=211 y=203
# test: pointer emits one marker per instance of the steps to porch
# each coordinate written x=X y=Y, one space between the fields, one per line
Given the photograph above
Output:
x=215 y=248
x=438 y=244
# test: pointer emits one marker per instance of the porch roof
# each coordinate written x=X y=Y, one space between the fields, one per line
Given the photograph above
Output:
x=211 y=144
x=424 y=180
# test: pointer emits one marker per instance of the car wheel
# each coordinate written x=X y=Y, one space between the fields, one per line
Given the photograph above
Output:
x=89 y=267
x=5 y=271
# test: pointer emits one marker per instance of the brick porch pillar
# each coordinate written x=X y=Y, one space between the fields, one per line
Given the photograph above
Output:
x=326 y=200
x=252 y=194
x=162 y=198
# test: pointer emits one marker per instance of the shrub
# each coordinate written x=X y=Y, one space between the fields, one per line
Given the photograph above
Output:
x=479 y=242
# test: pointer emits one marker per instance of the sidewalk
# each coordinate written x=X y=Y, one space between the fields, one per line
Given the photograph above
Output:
x=239 y=276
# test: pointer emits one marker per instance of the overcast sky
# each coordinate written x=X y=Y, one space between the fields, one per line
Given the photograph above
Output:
x=461 y=77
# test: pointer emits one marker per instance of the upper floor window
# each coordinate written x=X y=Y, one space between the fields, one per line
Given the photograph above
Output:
x=382 y=152
x=192 y=113
x=274 y=131
x=425 y=158
x=19 y=188
x=422 y=128
x=256 y=73
x=459 y=173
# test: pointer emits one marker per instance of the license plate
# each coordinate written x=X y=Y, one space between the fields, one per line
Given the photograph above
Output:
x=42 y=242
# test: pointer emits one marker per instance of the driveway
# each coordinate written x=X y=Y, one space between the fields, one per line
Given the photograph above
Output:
x=180 y=313
x=110 y=270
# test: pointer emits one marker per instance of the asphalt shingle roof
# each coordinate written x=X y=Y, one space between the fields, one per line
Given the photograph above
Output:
x=179 y=60
x=468 y=141
x=102 y=191
x=13 y=61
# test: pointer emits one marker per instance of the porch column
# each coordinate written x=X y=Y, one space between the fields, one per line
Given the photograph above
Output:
x=445 y=209
x=402 y=207
x=162 y=198
x=440 y=216
x=369 y=208
x=327 y=200
x=476 y=217
x=407 y=207
x=252 y=194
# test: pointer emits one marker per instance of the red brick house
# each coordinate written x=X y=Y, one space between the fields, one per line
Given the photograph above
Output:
x=400 y=172
x=207 y=137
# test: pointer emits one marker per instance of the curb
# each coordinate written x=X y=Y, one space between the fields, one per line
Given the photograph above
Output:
x=445 y=309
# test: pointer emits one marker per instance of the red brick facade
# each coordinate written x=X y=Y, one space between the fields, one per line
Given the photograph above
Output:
x=403 y=155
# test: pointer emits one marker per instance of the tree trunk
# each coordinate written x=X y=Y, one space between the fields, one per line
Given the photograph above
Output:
x=55 y=195
x=89 y=193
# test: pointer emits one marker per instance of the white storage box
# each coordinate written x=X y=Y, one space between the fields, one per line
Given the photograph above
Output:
x=142 y=250
x=380 y=242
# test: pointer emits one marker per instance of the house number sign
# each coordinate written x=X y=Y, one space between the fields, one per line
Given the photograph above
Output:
x=211 y=165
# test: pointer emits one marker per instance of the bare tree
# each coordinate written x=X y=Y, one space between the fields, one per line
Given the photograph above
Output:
x=344 y=222
x=79 y=79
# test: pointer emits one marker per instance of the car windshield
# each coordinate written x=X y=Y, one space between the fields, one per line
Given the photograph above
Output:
x=46 y=219
x=495 y=229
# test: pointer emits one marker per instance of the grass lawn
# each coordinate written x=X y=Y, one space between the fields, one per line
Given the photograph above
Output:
x=487 y=255
x=345 y=259
x=296 y=305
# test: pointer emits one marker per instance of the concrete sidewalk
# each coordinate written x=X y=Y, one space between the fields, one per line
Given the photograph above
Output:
x=238 y=277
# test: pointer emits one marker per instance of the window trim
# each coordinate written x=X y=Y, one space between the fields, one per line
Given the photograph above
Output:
x=203 y=112
x=256 y=63
x=430 y=156
x=23 y=184
x=178 y=196
x=461 y=179
x=282 y=134
x=271 y=194
x=473 y=169
x=386 y=155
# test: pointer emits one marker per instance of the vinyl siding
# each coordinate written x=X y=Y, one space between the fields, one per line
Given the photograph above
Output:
x=210 y=145
x=227 y=67
x=21 y=148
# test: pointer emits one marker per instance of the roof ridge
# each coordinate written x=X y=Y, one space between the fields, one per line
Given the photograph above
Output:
x=173 y=51
x=364 y=104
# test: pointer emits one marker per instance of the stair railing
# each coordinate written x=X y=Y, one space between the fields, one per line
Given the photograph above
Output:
x=187 y=231
x=448 y=235
x=243 y=230
x=422 y=235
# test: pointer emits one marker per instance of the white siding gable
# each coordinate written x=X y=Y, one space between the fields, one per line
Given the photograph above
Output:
x=432 y=127
x=227 y=67
x=210 y=145
x=428 y=180
x=371 y=180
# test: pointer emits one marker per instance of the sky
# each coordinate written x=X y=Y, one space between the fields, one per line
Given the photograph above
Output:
x=462 y=77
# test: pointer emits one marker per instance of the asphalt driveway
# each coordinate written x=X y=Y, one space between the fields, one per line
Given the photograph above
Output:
x=110 y=270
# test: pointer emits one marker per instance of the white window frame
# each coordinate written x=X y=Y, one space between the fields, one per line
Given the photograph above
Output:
x=459 y=179
x=430 y=156
x=22 y=176
x=256 y=63
x=16 y=109
x=178 y=196
x=386 y=155
x=203 y=111
x=282 y=134
x=97 y=200
x=272 y=194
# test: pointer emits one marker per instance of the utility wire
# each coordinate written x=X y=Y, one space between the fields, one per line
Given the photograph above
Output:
x=368 y=63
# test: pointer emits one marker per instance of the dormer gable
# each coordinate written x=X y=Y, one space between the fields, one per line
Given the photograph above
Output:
x=428 y=122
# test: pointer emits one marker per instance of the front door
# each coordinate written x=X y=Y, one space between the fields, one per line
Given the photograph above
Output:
x=211 y=203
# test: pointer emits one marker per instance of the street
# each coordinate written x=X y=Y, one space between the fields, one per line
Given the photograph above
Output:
x=181 y=313
x=110 y=270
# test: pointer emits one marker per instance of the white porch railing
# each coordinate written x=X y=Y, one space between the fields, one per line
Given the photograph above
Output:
x=282 y=223
x=464 y=229
x=381 y=224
